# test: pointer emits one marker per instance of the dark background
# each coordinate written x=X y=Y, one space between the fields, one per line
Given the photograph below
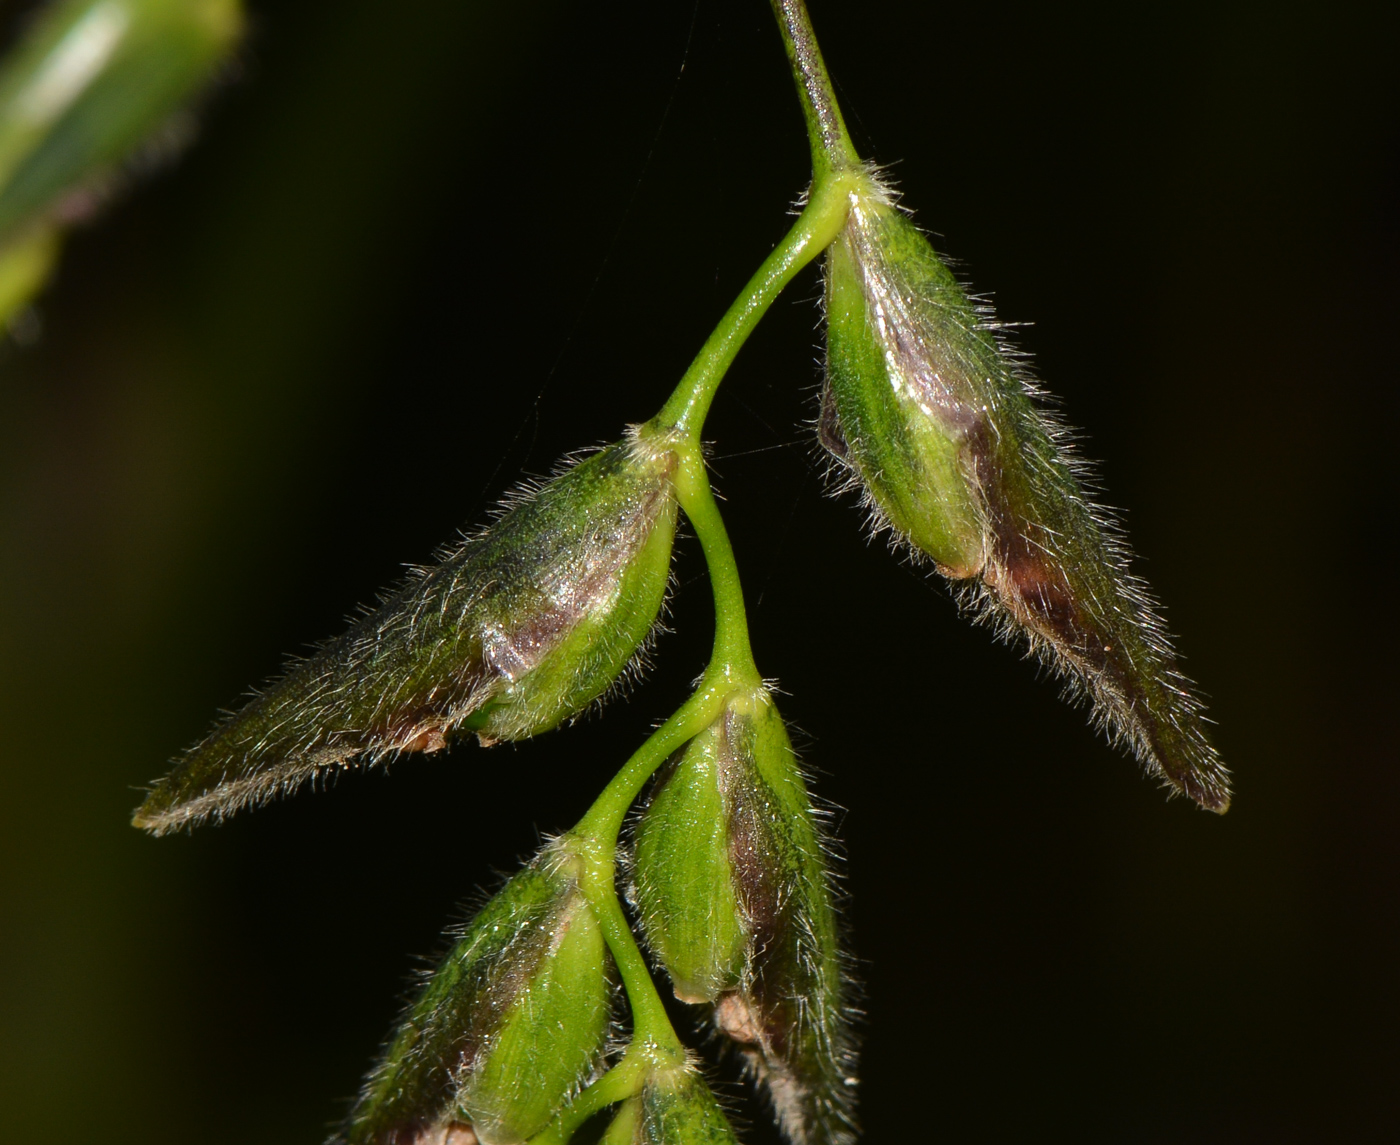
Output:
x=423 y=246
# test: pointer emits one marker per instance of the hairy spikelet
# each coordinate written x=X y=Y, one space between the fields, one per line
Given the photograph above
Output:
x=514 y=631
x=731 y=876
x=956 y=453
x=676 y=1107
x=506 y=1030
x=793 y=1015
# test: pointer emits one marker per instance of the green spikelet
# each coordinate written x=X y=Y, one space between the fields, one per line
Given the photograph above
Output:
x=683 y=870
x=677 y=1108
x=731 y=881
x=512 y=633
x=945 y=435
x=508 y=1027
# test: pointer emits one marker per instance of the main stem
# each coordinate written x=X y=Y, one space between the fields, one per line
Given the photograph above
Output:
x=817 y=226
x=832 y=149
x=731 y=669
x=836 y=174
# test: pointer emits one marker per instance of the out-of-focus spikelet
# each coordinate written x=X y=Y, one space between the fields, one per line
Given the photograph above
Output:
x=89 y=85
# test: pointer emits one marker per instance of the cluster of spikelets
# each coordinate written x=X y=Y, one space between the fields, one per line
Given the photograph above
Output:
x=730 y=881
x=515 y=1036
x=522 y=626
x=732 y=884
x=515 y=631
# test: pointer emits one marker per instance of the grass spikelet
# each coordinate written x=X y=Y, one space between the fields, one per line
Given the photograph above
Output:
x=514 y=631
x=957 y=453
x=732 y=882
x=509 y=1026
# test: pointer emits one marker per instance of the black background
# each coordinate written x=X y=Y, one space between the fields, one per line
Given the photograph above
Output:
x=422 y=247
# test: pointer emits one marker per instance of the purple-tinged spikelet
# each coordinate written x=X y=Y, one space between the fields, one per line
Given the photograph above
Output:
x=731 y=879
x=513 y=632
x=956 y=454
x=507 y=1029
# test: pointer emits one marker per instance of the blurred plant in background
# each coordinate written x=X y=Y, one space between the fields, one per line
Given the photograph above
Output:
x=91 y=85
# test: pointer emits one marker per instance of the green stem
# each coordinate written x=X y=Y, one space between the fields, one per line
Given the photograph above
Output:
x=624 y=1080
x=836 y=174
x=731 y=662
x=594 y=841
x=600 y=826
x=731 y=667
x=832 y=149
x=820 y=222
x=623 y=1130
x=650 y=1024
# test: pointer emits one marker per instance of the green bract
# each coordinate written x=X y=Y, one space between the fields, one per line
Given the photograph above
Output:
x=90 y=81
x=513 y=632
x=942 y=431
x=872 y=418
x=683 y=872
x=508 y=1027
x=731 y=881
x=677 y=1108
